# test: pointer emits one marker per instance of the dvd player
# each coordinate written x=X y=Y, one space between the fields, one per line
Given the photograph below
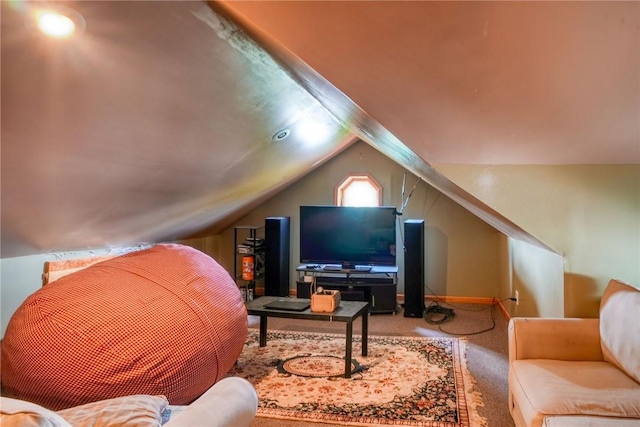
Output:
x=338 y=269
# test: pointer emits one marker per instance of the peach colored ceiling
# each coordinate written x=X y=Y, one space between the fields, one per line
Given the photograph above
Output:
x=156 y=123
x=476 y=82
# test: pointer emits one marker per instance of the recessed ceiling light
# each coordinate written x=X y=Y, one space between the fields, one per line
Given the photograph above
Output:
x=57 y=21
x=55 y=25
x=281 y=134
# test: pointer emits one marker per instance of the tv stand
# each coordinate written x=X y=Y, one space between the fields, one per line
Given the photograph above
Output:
x=374 y=284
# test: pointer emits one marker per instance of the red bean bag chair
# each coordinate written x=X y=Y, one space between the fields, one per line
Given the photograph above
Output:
x=168 y=320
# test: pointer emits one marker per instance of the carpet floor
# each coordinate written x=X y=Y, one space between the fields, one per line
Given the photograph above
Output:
x=487 y=352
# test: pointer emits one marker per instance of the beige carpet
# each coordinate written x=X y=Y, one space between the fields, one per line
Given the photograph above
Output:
x=414 y=381
x=487 y=352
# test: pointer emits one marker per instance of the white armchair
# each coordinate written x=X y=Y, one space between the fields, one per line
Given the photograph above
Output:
x=231 y=402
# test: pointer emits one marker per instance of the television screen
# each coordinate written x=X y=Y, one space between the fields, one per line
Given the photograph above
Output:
x=348 y=236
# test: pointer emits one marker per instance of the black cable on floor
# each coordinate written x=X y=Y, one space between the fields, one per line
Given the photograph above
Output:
x=493 y=325
x=435 y=314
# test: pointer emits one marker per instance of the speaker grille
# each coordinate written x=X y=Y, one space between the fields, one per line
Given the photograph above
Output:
x=276 y=256
x=414 y=268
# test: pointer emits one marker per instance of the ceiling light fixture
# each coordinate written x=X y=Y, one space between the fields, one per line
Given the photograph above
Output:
x=55 y=25
x=58 y=22
x=281 y=134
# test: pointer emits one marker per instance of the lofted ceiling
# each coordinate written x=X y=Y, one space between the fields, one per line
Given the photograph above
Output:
x=157 y=122
x=476 y=82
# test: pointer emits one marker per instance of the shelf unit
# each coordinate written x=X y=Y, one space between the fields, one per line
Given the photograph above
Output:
x=378 y=286
x=248 y=266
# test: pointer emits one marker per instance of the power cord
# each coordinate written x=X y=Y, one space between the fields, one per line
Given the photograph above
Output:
x=493 y=325
x=435 y=314
x=493 y=320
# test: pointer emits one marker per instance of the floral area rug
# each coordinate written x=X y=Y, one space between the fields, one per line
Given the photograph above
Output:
x=403 y=381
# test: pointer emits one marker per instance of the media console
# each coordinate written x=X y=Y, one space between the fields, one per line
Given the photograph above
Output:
x=376 y=285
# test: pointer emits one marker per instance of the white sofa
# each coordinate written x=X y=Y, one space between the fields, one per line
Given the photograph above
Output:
x=578 y=372
x=231 y=402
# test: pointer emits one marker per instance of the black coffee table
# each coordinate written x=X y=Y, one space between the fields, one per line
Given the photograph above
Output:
x=347 y=312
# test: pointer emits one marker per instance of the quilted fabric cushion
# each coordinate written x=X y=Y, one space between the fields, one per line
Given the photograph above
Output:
x=138 y=410
x=168 y=320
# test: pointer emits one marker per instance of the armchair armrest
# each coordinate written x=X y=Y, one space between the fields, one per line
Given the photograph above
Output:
x=554 y=338
x=231 y=402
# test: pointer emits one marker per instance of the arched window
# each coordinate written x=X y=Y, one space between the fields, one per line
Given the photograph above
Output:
x=358 y=190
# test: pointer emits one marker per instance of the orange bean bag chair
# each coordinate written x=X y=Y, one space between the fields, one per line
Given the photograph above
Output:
x=168 y=320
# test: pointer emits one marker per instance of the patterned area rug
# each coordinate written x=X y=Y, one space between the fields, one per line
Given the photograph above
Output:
x=403 y=381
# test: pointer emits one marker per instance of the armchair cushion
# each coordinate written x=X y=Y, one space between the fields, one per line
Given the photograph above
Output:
x=558 y=387
x=580 y=421
x=619 y=320
x=231 y=402
x=564 y=339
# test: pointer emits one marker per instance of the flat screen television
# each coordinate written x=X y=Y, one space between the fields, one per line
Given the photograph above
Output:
x=348 y=236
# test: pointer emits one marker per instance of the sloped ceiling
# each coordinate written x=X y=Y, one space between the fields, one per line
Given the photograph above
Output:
x=476 y=82
x=156 y=122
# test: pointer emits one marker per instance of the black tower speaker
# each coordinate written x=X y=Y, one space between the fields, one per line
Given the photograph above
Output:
x=276 y=256
x=414 y=268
